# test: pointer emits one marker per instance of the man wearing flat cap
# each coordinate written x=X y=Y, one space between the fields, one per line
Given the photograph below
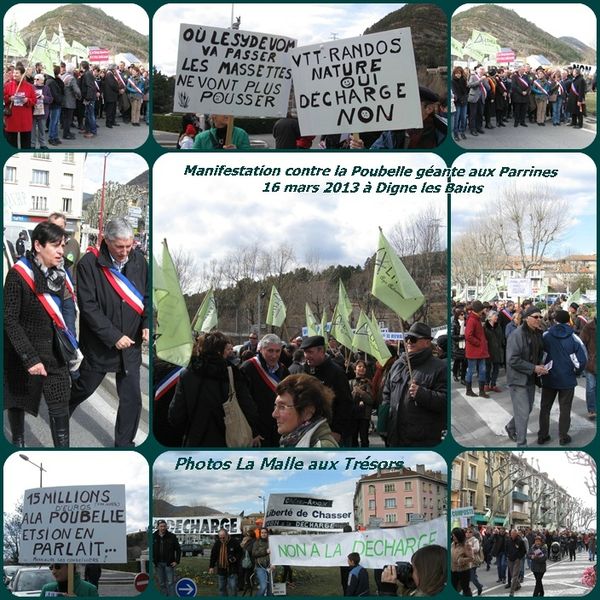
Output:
x=416 y=393
x=524 y=352
x=319 y=364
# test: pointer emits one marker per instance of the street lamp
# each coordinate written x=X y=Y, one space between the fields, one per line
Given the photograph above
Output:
x=263 y=505
x=101 y=216
x=40 y=467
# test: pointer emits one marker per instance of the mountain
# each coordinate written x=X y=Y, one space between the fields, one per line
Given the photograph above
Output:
x=588 y=52
x=91 y=27
x=429 y=28
x=142 y=180
x=165 y=509
x=513 y=31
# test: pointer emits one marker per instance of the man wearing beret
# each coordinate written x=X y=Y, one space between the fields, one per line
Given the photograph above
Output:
x=320 y=365
x=524 y=353
x=416 y=393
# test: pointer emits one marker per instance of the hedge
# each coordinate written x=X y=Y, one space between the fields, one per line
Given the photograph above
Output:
x=172 y=123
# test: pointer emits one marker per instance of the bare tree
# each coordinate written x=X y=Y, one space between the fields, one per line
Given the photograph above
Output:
x=13 y=523
x=187 y=270
x=501 y=472
x=585 y=460
x=162 y=491
x=117 y=200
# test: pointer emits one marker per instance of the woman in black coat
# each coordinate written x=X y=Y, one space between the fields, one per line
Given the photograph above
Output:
x=459 y=365
x=576 y=99
x=197 y=407
x=32 y=364
x=495 y=340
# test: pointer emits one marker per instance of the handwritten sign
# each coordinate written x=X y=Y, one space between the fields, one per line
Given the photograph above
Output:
x=367 y=83
x=229 y=72
x=74 y=524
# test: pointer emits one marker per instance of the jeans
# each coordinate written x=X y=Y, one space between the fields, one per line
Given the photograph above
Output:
x=590 y=391
x=264 y=581
x=474 y=579
x=556 y=107
x=228 y=585
x=501 y=566
x=53 y=123
x=476 y=364
x=165 y=574
x=38 y=138
x=460 y=119
x=90 y=117
x=522 y=400
x=492 y=373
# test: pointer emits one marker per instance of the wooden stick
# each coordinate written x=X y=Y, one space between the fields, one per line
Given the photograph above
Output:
x=71 y=579
x=229 y=134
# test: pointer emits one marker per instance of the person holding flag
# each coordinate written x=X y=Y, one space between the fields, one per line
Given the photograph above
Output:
x=112 y=294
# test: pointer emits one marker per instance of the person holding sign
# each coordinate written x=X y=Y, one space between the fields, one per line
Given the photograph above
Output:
x=34 y=292
x=60 y=586
x=225 y=558
x=217 y=137
x=262 y=563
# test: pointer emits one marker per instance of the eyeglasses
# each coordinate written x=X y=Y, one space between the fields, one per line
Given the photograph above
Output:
x=411 y=340
x=56 y=567
x=534 y=317
x=280 y=407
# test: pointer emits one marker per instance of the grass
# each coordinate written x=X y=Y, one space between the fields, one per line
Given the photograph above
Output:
x=591 y=100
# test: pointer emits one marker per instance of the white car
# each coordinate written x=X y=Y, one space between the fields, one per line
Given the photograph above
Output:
x=29 y=581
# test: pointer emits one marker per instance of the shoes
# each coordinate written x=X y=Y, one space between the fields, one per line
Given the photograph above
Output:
x=543 y=440
x=482 y=393
x=490 y=126
x=136 y=124
x=507 y=586
x=53 y=142
x=456 y=138
x=565 y=440
x=479 y=591
x=473 y=132
x=480 y=130
x=44 y=148
x=516 y=124
x=591 y=415
x=69 y=137
x=495 y=388
x=88 y=135
x=463 y=136
x=463 y=382
x=523 y=124
x=499 y=581
x=486 y=388
x=512 y=435
x=109 y=126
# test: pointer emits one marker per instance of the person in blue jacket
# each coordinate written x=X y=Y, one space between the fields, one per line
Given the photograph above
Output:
x=567 y=356
x=358 y=578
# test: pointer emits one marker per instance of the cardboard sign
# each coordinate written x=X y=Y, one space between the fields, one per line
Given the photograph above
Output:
x=377 y=547
x=518 y=287
x=367 y=83
x=201 y=525
x=229 y=72
x=74 y=524
x=307 y=512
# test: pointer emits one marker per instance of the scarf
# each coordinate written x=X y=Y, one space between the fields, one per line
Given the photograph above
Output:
x=223 y=562
x=55 y=276
x=291 y=439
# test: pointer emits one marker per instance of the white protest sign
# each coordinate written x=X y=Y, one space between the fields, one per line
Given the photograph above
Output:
x=377 y=547
x=229 y=72
x=367 y=83
x=307 y=512
x=206 y=525
x=518 y=287
x=74 y=524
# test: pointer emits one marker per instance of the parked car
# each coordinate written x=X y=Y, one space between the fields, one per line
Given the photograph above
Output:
x=9 y=571
x=192 y=549
x=29 y=581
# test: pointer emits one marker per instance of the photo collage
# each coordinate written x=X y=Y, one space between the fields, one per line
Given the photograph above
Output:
x=381 y=324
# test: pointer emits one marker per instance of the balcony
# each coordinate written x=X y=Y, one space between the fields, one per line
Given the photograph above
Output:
x=519 y=517
x=520 y=497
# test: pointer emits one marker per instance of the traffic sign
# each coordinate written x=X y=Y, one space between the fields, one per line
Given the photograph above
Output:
x=185 y=587
x=141 y=581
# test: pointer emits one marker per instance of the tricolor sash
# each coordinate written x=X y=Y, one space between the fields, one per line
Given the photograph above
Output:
x=271 y=380
x=540 y=86
x=168 y=383
x=502 y=84
x=561 y=89
x=523 y=82
x=122 y=286
x=574 y=89
x=52 y=304
x=506 y=314
x=132 y=82
x=69 y=283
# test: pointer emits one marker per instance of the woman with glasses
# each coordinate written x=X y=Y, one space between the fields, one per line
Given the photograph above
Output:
x=61 y=575
x=302 y=410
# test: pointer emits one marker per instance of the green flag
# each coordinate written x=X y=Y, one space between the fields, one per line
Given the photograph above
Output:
x=456 y=48
x=489 y=292
x=323 y=328
x=206 y=317
x=340 y=328
x=360 y=340
x=574 y=297
x=392 y=283
x=482 y=42
x=13 y=42
x=311 y=322
x=343 y=300
x=174 y=333
x=276 y=312
x=379 y=348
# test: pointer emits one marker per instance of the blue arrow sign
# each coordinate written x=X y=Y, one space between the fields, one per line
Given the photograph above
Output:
x=185 y=587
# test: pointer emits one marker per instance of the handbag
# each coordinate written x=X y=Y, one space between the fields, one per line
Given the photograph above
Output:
x=8 y=108
x=238 y=432
x=63 y=346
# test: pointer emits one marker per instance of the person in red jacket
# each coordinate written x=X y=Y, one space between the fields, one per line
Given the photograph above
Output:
x=476 y=349
x=20 y=96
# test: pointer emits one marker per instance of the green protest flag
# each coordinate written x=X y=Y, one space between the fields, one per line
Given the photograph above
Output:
x=13 y=42
x=456 y=48
x=379 y=349
x=574 y=297
x=174 y=340
x=276 y=312
x=360 y=340
x=323 y=328
x=343 y=300
x=489 y=292
x=392 y=283
x=206 y=317
x=311 y=322
x=340 y=328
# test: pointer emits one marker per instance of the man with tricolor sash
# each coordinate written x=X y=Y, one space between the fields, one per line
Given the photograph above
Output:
x=112 y=295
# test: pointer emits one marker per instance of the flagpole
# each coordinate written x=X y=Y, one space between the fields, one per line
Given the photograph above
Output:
x=405 y=349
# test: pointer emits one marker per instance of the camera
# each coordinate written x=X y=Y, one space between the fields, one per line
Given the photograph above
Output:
x=404 y=572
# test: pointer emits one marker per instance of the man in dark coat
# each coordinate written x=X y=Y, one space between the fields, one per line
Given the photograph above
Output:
x=416 y=394
x=225 y=559
x=515 y=553
x=319 y=364
x=89 y=94
x=166 y=555
x=520 y=92
x=113 y=324
x=110 y=91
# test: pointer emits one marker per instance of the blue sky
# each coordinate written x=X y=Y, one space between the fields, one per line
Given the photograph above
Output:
x=120 y=167
x=234 y=491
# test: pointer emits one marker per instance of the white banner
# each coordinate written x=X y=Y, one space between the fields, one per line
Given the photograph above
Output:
x=307 y=512
x=229 y=72
x=74 y=524
x=367 y=83
x=377 y=547
x=518 y=287
x=207 y=525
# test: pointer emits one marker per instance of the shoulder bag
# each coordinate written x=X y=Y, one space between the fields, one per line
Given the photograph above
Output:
x=238 y=432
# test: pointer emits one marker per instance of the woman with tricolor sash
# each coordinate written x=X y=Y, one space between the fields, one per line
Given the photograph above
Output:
x=33 y=365
x=576 y=99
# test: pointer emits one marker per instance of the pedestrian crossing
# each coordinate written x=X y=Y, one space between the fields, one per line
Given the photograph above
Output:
x=481 y=421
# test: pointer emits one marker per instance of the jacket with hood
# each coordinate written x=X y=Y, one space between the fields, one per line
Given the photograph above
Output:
x=568 y=356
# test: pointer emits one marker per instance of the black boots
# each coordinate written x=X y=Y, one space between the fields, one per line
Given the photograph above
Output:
x=16 y=420
x=470 y=391
x=59 y=427
x=482 y=393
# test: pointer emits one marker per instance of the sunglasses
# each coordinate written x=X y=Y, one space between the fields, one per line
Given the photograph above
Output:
x=56 y=567
x=535 y=316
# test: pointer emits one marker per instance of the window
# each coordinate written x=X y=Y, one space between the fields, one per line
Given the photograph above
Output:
x=40 y=177
x=390 y=503
x=408 y=486
x=391 y=518
x=371 y=490
x=487 y=479
x=10 y=174
x=471 y=498
x=42 y=155
x=473 y=472
x=67 y=205
x=371 y=504
x=408 y=516
x=67 y=181
x=39 y=203
x=389 y=487
x=408 y=502
x=69 y=157
x=488 y=500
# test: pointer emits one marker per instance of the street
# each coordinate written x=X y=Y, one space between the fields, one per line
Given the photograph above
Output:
x=481 y=421
x=92 y=424
x=116 y=583
x=562 y=578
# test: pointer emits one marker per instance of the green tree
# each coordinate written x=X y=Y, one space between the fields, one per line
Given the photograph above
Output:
x=163 y=90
